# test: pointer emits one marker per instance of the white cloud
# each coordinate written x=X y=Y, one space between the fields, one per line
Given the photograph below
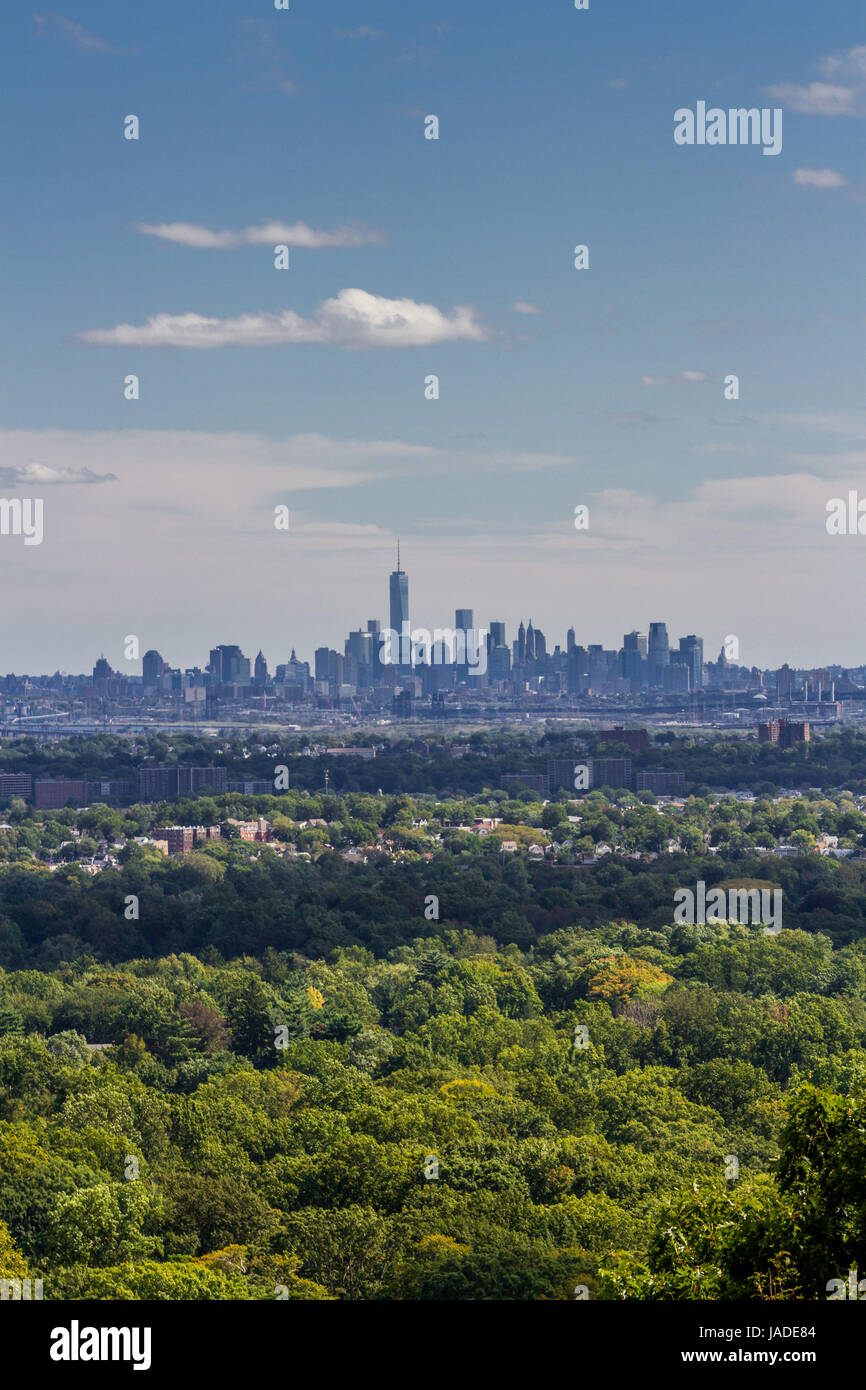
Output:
x=522 y=307
x=681 y=379
x=75 y=32
x=354 y=319
x=267 y=234
x=43 y=474
x=819 y=178
x=845 y=96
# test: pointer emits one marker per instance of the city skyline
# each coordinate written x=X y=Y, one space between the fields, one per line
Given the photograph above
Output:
x=411 y=258
x=643 y=655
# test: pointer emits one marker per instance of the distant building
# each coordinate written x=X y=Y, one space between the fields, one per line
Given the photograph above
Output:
x=561 y=772
x=661 y=783
x=535 y=782
x=229 y=666
x=152 y=667
x=658 y=654
x=54 y=792
x=16 y=784
x=792 y=731
x=167 y=783
x=113 y=789
x=784 y=683
x=259 y=829
x=182 y=838
x=636 y=740
x=692 y=654
x=785 y=732
x=610 y=772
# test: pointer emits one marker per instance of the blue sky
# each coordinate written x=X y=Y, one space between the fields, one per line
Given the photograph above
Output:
x=604 y=387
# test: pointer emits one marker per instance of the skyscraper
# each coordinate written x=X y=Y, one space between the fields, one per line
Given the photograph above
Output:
x=399 y=596
x=464 y=623
x=152 y=667
x=693 y=650
x=228 y=665
x=658 y=653
x=398 y=589
x=260 y=670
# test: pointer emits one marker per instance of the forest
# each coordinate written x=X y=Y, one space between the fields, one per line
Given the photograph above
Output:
x=435 y=1069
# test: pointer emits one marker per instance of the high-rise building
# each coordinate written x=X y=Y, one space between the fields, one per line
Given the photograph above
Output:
x=793 y=731
x=52 y=792
x=658 y=653
x=166 y=782
x=229 y=666
x=17 y=784
x=260 y=671
x=636 y=740
x=784 y=683
x=692 y=649
x=610 y=772
x=398 y=593
x=152 y=667
x=632 y=658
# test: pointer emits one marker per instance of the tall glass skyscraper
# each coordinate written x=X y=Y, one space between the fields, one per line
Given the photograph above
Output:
x=659 y=653
x=692 y=648
x=398 y=592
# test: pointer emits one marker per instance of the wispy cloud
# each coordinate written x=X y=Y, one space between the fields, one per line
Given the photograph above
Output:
x=523 y=307
x=266 y=234
x=363 y=32
x=819 y=178
x=76 y=33
x=629 y=419
x=680 y=379
x=844 y=95
x=723 y=446
x=354 y=319
x=44 y=475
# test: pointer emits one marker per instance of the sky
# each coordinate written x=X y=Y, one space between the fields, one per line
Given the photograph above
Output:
x=410 y=258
